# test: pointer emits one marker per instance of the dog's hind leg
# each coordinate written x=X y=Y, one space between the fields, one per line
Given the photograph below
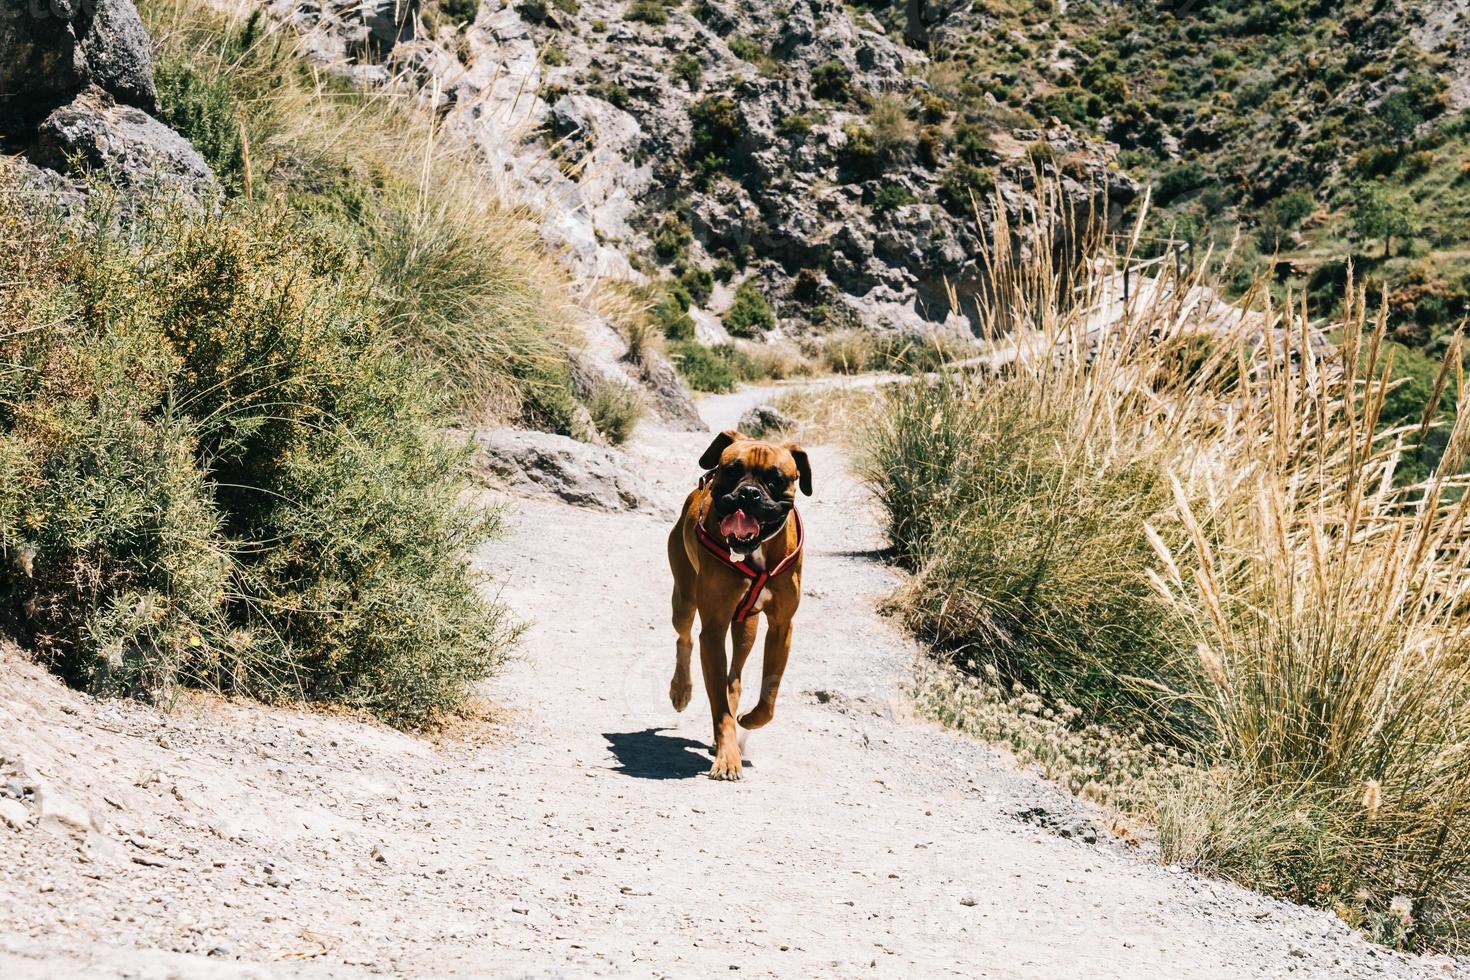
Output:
x=681 y=687
x=773 y=666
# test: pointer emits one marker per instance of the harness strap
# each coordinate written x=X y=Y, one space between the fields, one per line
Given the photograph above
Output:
x=758 y=577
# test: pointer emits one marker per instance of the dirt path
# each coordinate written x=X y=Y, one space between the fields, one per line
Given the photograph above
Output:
x=586 y=840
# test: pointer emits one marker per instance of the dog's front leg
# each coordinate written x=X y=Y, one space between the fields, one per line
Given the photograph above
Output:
x=712 y=665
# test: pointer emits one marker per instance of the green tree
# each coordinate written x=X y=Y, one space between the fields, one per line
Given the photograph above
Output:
x=1380 y=213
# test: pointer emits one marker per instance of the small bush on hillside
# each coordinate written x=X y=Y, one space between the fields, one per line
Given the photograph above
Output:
x=648 y=12
x=890 y=197
x=688 y=68
x=749 y=315
x=715 y=129
x=673 y=239
x=702 y=368
x=460 y=12
x=699 y=283
x=832 y=81
x=616 y=410
x=672 y=317
x=747 y=49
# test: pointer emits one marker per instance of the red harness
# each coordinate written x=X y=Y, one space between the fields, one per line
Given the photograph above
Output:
x=758 y=576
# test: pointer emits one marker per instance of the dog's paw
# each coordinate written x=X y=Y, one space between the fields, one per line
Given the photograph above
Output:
x=727 y=766
x=758 y=716
x=680 y=690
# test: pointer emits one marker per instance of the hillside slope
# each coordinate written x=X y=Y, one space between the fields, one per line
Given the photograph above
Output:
x=1329 y=132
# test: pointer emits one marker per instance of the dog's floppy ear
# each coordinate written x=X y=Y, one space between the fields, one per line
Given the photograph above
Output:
x=711 y=457
x=803 y=467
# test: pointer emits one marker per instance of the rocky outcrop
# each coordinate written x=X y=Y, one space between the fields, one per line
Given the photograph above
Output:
x=53 y=50
x=543 y=464
x=102 y=134
x=786 y=150
x=76 y=89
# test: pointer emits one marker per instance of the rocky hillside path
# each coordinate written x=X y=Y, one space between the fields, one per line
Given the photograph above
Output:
x=583 y=839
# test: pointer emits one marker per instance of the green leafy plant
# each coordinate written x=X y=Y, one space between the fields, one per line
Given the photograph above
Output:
x=749 y=315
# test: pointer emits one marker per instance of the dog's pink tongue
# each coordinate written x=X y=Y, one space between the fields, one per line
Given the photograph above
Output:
x=739 y=525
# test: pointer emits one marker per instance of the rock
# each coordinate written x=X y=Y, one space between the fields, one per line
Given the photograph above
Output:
x=14 y=814
x=59 y=812
x=55 y=49
x=43 y=64
x=1066 y=825
x=119 y=55
x=763 y=420
x=107 y=135
x=556 y=466
x=669 y=396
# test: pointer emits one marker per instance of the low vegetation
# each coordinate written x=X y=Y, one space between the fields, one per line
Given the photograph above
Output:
x=1195 y=531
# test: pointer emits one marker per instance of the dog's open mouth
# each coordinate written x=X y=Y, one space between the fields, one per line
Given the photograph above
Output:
x=740 y=526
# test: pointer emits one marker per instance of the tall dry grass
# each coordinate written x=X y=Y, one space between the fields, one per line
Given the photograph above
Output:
x=461 y=276
x=1187 y=516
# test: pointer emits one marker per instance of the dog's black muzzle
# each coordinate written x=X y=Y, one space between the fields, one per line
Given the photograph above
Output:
x=755 y=501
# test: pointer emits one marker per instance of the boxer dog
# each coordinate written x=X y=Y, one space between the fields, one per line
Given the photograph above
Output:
x=736 y=551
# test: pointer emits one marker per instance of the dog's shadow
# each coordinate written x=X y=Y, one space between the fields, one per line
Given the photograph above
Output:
x=651 y=754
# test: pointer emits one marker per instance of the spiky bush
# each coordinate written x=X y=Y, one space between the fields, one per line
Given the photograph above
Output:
x=219 y=469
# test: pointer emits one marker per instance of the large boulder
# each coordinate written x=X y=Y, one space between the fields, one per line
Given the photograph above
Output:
x=53 y=50
x=543 y=464
x=119 y=58
x=102 y=134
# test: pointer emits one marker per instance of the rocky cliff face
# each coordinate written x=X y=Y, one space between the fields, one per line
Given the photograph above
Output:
x=76 y=86
x=797 y=151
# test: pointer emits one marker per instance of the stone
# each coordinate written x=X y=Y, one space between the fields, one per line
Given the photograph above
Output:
x=54 y=49
x=543 y=464
x=104 y=134
x=764 y=420
x=119 y=55
x=60 y=812
x=14 y=814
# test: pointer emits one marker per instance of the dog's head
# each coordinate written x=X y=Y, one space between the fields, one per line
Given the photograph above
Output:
x=754 y=485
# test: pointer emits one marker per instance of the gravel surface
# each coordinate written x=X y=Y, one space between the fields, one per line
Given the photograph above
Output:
x=577 y=836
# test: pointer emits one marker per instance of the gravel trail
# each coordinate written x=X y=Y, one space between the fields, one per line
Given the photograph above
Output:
x=581 y=838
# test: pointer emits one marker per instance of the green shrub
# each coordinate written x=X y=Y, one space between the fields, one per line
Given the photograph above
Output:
x=746 y=49
x=964 y=187
x=891 y=197
x=832 y=81
x=703 y=369
x=672 y=318
x=699 y=283
x=616 y=410
x=797 y=126
x=203 y=110
x=461 y=13
x=673 y=239
x=220 y=470
x=688 y=68
x=715 y=130
x=648 y=12
x=749 y=314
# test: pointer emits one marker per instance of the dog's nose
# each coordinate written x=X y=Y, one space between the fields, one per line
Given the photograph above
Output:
x=748 y=492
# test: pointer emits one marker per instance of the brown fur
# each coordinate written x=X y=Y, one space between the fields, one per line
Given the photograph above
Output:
x=703 y=585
